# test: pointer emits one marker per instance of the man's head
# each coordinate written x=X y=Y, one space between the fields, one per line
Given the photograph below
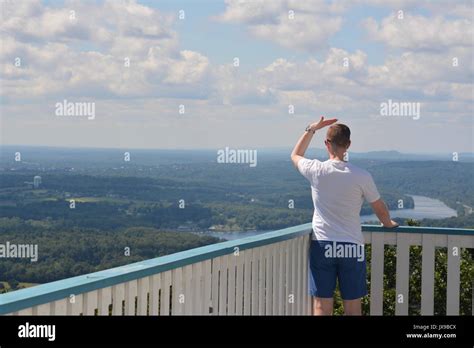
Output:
x=338 y=139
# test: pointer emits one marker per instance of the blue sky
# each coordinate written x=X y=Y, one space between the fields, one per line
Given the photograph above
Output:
x=283 y=61
x=222 y=42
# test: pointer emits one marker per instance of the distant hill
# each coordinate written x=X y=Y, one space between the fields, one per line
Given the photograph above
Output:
x=75 y=157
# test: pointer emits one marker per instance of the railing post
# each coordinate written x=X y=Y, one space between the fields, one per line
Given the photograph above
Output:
x=453 y=278
x=427 y=274
x=403 y=269
x=376 y=276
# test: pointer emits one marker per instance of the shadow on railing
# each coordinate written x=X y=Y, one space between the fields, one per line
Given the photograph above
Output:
x=260 y=275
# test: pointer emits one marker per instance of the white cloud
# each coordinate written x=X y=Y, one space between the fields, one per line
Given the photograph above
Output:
x=420 y=32
x=421 y=68
x=329 y=86
x=84 y=59
x=306 y=28
x=86 y=54
x=230 y=86
x=457 y=8
x=189 y=69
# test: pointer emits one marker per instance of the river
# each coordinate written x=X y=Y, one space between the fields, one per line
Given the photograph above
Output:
x=425 y=208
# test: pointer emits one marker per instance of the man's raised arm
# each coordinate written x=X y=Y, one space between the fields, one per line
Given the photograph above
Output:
x=303 y=143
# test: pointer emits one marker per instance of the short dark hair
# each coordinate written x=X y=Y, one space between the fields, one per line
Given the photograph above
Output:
x=339 y=134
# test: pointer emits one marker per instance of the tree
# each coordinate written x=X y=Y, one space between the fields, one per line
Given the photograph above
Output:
x=13 y=283
x=440 y=277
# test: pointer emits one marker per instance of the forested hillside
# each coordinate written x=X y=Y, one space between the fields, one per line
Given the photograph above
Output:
x=83 y=217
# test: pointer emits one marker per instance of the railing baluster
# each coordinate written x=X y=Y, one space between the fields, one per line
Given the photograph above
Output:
x=453 y=281
x=196 y=290
x=130 y=296
x=261 y=280
x=26 y=311
x=403 y=274
x=427 y=274
x=223 y=285
x=60 y=307
x=275 y=278
x=269 y=279
x=239 y=290
x=232 y=258
x=376 y=277
x=76 y=304
x=143 y=288
x=294 y=275
x=189 y=290
x=166 y=293
x=155 y=287
x=247 y=282
x=90 y=302
x=118 y=296
x=105 y=299
x=207 y=278
x=254 y=275
x=299 y=276
x=177 y=306
x=281 y=279
x=287 y=277
x=44 y=309
x=216 y=262
x=307 y=310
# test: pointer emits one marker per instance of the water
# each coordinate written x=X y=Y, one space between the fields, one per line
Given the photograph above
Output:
x=425 y=207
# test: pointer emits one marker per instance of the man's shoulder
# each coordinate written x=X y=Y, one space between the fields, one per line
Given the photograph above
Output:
x=311 y=162
x=308 y=167
x=358 y=170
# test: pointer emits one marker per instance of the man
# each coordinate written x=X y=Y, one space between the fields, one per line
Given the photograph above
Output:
x=338 y=189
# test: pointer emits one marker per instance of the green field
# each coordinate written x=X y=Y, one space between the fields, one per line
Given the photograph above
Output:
x=21 y=285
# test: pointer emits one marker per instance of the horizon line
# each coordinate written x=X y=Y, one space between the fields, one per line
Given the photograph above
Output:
x=218 y=148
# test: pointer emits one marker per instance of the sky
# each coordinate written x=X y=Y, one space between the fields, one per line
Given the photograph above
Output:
x=164 y=74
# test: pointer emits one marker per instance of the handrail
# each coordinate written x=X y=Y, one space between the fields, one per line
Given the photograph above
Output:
x=49 y=292
x=417 y=229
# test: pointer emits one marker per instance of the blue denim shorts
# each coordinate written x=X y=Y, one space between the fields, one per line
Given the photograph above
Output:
x=330 y=261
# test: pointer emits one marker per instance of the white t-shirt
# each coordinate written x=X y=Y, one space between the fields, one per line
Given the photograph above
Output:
x=338 y=189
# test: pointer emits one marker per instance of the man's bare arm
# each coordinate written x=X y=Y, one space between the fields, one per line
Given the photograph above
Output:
x=301 y=147
x=382 y=213
x=303 y=143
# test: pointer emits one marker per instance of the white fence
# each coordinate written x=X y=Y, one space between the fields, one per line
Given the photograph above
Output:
x=263 y=275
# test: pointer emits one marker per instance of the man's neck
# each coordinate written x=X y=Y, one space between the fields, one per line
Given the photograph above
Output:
x=336 y=157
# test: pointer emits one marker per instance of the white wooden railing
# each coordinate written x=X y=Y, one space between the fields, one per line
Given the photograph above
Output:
x=261 y=275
